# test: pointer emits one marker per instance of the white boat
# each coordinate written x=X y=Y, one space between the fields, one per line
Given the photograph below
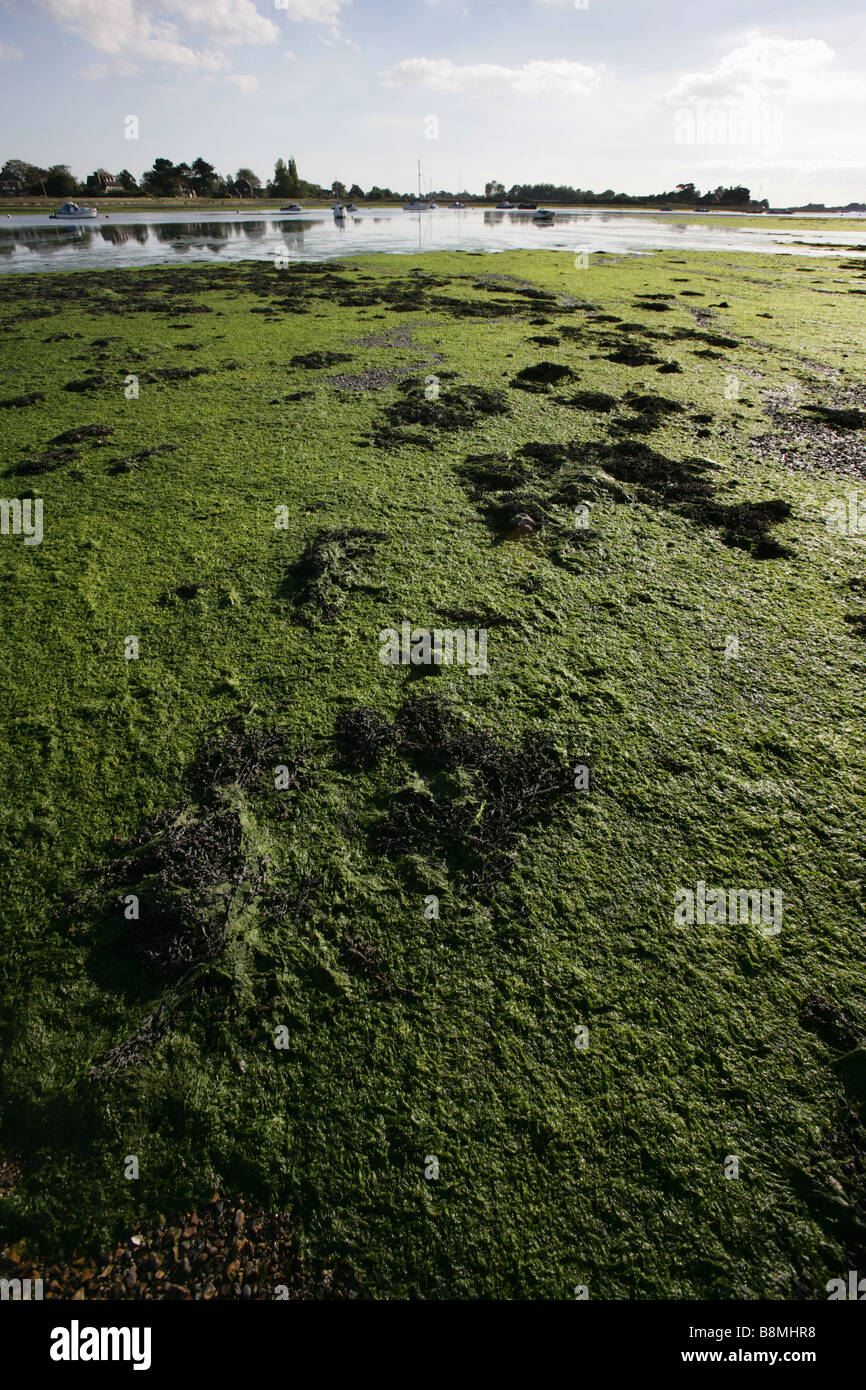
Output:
x=339 y=210
x=292 y=207
x=457 y=205
x=543 y=215
x=350 y=207
x=506 y=206
x=72 y=212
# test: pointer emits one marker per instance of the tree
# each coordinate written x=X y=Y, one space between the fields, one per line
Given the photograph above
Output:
x=203 y=177
x=30 y=176
x=16 y=169
x=339 y=190
x=281 y=184
x=127 y=182
x=247 y=176
x=294 y=181
x=161 y=181
x=356 y=192
x=735 y=197
x=59 y=182
x=494 y=189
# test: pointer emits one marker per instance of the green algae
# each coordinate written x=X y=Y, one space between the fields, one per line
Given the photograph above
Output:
x=558 y=1165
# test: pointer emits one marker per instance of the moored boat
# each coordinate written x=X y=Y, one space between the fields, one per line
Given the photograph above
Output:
x=292 y=207
x=72 y=212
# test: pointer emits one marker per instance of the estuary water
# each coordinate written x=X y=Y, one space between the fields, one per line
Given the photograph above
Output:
x=31 y=242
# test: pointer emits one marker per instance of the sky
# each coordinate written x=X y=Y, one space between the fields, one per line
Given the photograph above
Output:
x=634 y=95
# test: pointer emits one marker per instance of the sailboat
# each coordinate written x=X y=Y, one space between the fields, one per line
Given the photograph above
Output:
x=419 y=204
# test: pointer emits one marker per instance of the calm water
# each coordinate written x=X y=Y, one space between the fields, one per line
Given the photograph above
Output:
x=32 y=242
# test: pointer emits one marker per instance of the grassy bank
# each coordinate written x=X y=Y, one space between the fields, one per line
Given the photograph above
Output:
x=279 y=466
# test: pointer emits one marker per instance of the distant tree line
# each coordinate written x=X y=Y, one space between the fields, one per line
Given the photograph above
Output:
x=165 y=179
x=685 y=194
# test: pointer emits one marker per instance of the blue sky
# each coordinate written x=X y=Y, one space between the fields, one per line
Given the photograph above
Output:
x=637 y=95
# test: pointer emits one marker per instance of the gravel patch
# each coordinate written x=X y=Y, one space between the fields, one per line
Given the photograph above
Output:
x=375 y=379
x=227 y=1249
x=804 y=445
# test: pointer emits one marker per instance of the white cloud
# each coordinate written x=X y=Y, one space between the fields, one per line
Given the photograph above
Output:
x=312 y=11
x=150 y=30
x=536 y=78
x=221 y=21
x=8 y=54
x=770 y=69
x=244 y=81
x=287 y=53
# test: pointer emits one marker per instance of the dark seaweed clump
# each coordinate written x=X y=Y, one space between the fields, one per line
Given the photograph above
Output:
x=320 y=359
x=485 y=794
x=853 y=419
x=241 y=757
x=329 y=569
x=32 y=398
x=194 y=870
x=565 y=474
x=633 y=355
x=362 y=736
x=60 y=449
x=82 y=432
x=591 y=400
x=541 y=376
x=457 y=408
x=46 y=462
x=194 y=877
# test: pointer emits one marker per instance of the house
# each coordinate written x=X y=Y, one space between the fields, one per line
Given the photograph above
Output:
x=101 y=182
x=11 y=188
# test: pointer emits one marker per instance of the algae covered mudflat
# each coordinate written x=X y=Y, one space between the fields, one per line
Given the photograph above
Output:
x=392 y=948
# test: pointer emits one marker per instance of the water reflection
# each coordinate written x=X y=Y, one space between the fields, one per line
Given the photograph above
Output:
x=30 y=242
